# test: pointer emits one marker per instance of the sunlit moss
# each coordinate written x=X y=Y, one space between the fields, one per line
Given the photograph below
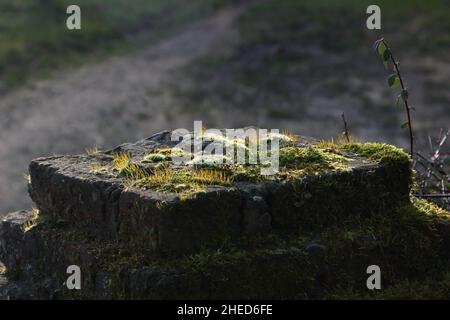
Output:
x=154 y=157
x=172 y=180
x=311 y=159
x=212 y=160
x=382 y=153
x=165 y=154
x=121 y=161
x=294 y=161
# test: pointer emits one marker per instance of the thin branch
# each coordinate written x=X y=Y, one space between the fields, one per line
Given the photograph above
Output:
x=441 y=143
x=405 y=99
x=346 y=132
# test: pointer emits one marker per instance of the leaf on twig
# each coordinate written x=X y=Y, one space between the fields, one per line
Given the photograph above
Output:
x=393 y=81
x=381 y=48
x=386 y=54
x=404 y=124
x=376 y=44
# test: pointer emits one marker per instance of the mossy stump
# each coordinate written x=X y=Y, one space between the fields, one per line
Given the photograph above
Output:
x=308 y=232
x=66 y=189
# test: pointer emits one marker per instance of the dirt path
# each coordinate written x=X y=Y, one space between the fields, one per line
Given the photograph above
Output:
x=130 y=97
x=121 y=99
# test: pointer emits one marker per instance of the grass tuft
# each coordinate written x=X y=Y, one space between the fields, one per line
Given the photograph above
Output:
x=121 y=161
x=171 y=180
x=93 y=150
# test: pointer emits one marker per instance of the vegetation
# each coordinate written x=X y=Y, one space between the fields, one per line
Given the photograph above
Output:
x=431 y=17
x=433 y=171
x=35 y=39
x=394 y=81
x=171 y=180
x=382 y=153
x=156 y=171
x=311 y=159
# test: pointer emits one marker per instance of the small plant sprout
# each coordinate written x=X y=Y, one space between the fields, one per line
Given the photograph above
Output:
x=292 y=137
x=93 y=150
x=395 y=80
x=27 y=177
x=121 y=161
x=133 y=172
x=32 y=222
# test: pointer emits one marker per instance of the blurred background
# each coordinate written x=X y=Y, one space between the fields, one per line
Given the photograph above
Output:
x=140 y=66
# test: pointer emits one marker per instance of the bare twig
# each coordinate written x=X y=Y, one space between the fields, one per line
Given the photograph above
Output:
x=346 y=132
x=433 y=172
x=441 y=143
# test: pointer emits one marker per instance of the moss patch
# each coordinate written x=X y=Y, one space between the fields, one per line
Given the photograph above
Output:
x=382 y=153
x=311 y=159
x=294 y=161
x=172 y=180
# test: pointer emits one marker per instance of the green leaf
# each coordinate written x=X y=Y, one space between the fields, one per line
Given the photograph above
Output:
x=393 y=81
x=386 y=54
x=404 y=94
x=381 y=48
x=376 y=44
x=404 y=125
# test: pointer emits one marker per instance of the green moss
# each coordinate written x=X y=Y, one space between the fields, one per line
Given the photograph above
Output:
x=311 y=159
x=294 y=161
x=183 y=180
x=28 y=51
x=251 y=173
x=382 y=153
x=154 y=157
